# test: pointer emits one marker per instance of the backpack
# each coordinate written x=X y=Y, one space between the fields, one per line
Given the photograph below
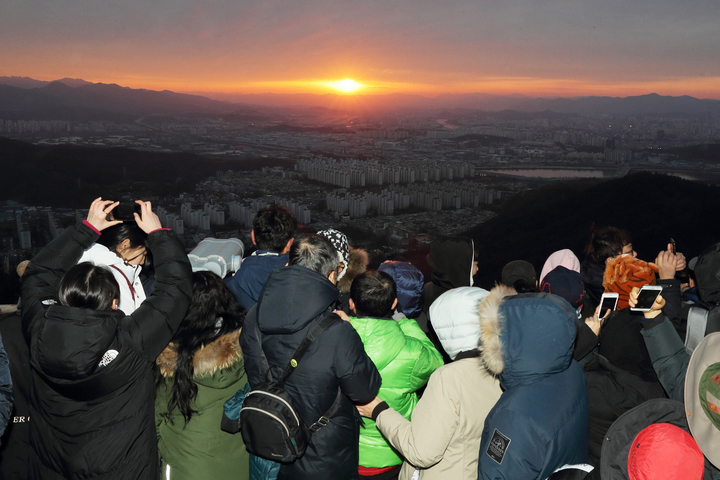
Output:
x=270 y=426
x=700 y=322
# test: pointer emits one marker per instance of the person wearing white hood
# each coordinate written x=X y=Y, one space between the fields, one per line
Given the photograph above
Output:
x=443 y=436
x=122 y=249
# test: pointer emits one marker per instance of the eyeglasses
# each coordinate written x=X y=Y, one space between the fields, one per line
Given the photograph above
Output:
x=141 y=254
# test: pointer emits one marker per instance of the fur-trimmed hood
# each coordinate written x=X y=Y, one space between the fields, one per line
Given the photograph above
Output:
x=525 y=337
x=222 y=353
x=358 y=264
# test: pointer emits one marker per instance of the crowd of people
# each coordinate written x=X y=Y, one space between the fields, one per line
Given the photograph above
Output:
x=123 y=363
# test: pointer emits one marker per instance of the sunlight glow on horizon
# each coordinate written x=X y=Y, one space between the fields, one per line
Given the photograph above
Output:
x=702 y=88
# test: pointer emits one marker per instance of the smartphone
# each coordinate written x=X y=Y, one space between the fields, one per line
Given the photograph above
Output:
x=608 y=303
x=646 y=298
x=124 y=211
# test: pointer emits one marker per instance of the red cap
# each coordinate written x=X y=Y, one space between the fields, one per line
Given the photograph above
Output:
x=665 y=452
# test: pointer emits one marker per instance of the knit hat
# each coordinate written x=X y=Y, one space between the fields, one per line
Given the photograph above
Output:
x=518 y=270
x=340 y=242
x=702 y=396
x=622 y=273
x=564 y=283
x=565 y=257
x=665 y=452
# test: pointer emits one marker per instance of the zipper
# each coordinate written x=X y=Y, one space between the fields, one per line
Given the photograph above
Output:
x=270 y=415
x=277 y=398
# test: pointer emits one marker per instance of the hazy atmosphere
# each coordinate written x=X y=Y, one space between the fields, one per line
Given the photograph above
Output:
x=550 y=48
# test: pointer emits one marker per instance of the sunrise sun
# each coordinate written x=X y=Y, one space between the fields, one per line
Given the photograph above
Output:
x=346 y=86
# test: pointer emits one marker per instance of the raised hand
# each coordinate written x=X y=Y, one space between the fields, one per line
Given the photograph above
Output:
x=99 y=210
x=147 y=220
x=656 y=308
x=667 y=263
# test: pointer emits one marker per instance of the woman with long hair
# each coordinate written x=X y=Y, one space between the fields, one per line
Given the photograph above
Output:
x=91 y=396
x=200 y=369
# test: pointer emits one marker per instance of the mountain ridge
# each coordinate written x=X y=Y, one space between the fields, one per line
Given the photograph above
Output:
x=77 y=93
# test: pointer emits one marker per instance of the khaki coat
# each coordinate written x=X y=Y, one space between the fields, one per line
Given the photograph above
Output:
x=442 y=439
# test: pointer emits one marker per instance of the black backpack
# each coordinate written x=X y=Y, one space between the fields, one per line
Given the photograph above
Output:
x=268 y=422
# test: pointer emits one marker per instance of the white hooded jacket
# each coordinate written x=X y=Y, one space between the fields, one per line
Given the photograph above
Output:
x=132 y=293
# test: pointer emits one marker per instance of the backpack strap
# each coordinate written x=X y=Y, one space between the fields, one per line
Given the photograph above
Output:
x=696 y=326
x=305 y=344
x=325 y=419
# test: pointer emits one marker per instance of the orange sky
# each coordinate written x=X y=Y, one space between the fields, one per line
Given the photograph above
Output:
x=549 y=48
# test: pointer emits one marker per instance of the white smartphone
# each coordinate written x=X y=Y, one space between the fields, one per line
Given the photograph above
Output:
x=608 y=303
x=646 y=298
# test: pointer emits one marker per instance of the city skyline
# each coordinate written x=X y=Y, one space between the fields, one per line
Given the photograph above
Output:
x=560 y=48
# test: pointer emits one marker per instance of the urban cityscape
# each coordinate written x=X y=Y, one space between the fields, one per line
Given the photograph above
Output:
x=386 y=178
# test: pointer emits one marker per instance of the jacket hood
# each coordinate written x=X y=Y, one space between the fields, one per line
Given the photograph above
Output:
x=410 y=282
x=707 y=274
x=220 y=354
x=451 y=260
x=292 y=297
x=455 y=319
x=73 y=341
x=565 y=258
x=358 y=262
x=526 y=337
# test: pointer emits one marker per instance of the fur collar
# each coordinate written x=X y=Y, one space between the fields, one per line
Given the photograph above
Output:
x=222 y=353
x=356 y=265
x=491 y=325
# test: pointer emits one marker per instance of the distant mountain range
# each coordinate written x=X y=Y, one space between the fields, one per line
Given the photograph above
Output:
x=56 y=100
x=23 y=97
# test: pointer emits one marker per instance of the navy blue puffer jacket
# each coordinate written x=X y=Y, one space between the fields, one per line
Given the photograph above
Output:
x=541 y=420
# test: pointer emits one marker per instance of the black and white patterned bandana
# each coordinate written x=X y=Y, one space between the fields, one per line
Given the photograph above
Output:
x=340 y=242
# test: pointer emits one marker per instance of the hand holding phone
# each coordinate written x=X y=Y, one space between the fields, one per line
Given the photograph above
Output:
x=124 y=211
x=646 y=298
x=608 y=303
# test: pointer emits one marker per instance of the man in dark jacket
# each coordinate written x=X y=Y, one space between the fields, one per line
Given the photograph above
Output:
x=273 y=230
x=91 y=397
x=294 y=300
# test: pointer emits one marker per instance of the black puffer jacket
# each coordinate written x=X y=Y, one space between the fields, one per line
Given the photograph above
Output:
x=92 y=391
x=620 y=378
x=293 y=301
x=620 y=436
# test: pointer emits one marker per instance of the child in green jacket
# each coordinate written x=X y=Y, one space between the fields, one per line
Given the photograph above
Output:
x=403 y=355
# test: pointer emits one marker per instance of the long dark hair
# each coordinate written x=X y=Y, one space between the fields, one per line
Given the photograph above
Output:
x=113 y=236
x=88 y=286
x=214 y=312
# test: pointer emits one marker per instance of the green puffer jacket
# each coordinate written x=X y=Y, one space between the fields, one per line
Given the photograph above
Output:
x=200 y=449
x=405 y=358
